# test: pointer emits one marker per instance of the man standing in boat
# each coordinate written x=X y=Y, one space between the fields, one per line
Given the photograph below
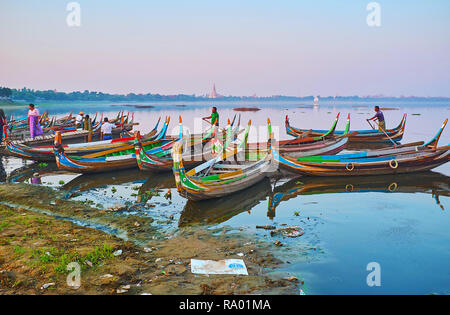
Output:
x=214 y=117
x=79 y=119
x=106 y=130
x=379 y=117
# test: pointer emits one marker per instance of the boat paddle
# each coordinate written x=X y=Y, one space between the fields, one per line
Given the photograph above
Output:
x=395 y=144
x=370 y=124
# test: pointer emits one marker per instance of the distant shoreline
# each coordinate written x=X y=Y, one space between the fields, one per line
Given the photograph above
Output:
x=24 y=96
x=6 y=102
x=133 y=103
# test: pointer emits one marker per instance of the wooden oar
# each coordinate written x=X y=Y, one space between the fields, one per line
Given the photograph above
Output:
x=370 y=124
x=395 y=144
x=205 y=119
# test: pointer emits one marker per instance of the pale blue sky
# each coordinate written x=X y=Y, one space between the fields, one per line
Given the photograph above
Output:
x=265 y=47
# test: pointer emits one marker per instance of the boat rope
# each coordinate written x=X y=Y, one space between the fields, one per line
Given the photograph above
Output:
x=348 y=168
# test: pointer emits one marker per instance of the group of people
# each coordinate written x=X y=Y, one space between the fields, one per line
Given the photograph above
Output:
x=378 y=118
x=106 y=129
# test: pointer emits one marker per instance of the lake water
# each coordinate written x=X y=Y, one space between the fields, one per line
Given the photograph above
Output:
x=399 y=222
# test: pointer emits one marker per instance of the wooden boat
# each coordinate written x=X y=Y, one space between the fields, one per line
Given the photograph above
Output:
x=46 y=153
x=396 y=160
x=326 y=144
x=228 y=173
x=67 y=135
x=70 y=131
x=114 y=159
x=366 y=136
x=123 y=157
x=195 y=150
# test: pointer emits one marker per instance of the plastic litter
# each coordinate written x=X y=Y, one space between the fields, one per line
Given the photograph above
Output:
x=221 y=267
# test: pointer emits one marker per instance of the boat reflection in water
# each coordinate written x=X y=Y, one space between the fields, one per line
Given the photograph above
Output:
x=432 y=183
x=154 y=184
x=29 y=173
x=87 y=182
x=220 y=210
x=2 y=172
x=83 y=183
x=215 y=211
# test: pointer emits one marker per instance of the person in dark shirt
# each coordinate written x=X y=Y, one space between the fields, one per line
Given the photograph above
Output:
x=379 y=116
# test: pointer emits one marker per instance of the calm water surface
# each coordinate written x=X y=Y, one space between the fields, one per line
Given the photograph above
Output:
x=401 y=222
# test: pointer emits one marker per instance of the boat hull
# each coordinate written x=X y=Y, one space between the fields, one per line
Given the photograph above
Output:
x=363 y=136
x=217 y=192
x=407 y=164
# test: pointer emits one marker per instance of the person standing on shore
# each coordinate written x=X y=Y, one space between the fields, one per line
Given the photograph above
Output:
x=33 y=121
x=214 y=117
x=2 y=123
x=379 y=116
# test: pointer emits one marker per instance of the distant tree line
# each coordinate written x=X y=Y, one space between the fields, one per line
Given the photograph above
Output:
x=5 y=92
x=31 y=95
x=51 y=95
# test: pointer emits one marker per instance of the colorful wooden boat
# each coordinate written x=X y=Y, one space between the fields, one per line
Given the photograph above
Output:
x=195 y=150
x=326 y=144
x=396 y=160
x=366 y=136
x=114 y=159
x=46 y=153
x=228 y=173
x=67 y=126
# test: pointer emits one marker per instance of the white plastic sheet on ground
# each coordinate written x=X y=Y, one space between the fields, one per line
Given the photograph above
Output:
x=221 y=267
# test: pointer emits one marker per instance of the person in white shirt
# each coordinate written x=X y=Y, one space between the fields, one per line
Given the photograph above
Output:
x=79 y=118
x=107 y=130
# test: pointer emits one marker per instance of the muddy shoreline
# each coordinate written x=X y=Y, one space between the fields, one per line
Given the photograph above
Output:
x=40 y=232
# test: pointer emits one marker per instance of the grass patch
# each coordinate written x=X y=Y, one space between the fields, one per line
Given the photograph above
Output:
x=4 y=225
x=19 y=250
x=59 y=258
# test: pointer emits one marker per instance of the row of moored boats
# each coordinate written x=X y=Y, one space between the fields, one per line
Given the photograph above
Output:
x=221 y=161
